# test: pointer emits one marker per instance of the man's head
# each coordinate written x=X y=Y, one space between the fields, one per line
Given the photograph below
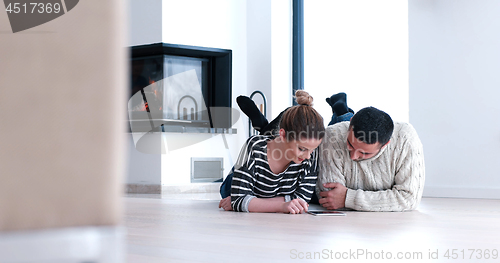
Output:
x=370 y=129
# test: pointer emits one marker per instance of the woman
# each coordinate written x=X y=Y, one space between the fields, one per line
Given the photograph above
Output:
x=277 y=173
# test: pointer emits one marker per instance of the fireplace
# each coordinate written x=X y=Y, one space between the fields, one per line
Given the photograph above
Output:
x=178 y=88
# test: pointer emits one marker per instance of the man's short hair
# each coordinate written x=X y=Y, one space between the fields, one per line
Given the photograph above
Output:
x=371 y=125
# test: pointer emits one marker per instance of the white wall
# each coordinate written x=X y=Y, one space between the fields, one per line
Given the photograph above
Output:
x=259 y=51
x=145 y=22
x=216 y=24
x=145 y=27
x=143 y=169
x=281 y=57
x=454 y=95
x=359 y=47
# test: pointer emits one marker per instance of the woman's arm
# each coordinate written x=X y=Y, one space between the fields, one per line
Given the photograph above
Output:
x=242 y=185
x=243 y=198
x=270 y=205
x=277 y=205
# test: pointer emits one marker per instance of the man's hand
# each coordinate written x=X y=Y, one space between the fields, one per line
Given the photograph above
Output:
x=335 y=198
x=226 y=204
x=296 y=206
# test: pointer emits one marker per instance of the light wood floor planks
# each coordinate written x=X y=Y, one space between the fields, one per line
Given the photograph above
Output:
x=171 y=229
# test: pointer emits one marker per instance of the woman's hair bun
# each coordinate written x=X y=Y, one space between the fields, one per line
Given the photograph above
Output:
x=303 y=98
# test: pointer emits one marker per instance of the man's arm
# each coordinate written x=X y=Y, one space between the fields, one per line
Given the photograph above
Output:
x=405 y=193
x=332 y=155
x=335 y=198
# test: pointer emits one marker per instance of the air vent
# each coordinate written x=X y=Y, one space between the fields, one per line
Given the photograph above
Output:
x=206 y=170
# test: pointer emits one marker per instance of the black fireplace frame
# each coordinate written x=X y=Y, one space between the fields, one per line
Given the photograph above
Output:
x=219 y=73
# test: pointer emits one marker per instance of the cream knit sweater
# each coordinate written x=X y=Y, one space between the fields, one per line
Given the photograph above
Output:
x=393 y=180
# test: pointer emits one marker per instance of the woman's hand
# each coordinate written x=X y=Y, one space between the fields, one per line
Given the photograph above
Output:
x=226 y=204
x=296 y=206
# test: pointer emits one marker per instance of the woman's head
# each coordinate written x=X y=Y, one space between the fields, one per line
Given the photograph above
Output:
x=302 y=122
x=301 y=128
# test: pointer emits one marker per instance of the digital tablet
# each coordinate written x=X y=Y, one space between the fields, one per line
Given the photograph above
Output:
x=326 y=213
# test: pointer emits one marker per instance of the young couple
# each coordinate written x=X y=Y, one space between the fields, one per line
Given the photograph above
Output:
x=277 y=171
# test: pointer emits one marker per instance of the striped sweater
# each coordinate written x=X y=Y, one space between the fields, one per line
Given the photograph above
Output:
x=253 y=176
x=392 y=180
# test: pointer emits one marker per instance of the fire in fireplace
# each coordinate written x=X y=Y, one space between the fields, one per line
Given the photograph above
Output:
x=176 y=86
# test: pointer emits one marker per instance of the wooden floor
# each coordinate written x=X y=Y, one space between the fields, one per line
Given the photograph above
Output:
x=176 y=229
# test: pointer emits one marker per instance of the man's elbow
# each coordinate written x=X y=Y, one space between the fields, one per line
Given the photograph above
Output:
x=411 y=202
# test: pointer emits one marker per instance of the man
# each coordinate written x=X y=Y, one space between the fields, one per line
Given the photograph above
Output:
x=371 y=164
